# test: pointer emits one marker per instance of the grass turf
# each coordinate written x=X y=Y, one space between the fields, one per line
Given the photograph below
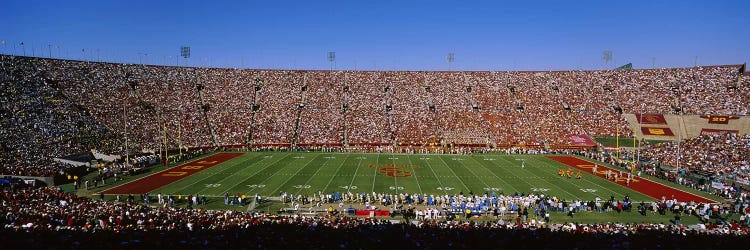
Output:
x=268 y=174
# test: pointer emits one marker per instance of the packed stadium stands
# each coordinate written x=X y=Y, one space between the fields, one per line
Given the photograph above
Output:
x=61 y=220
x=85 y=105
x=722 y=154
x=52 y=108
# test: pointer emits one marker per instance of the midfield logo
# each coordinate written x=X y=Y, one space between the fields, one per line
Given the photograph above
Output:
x=395 y=170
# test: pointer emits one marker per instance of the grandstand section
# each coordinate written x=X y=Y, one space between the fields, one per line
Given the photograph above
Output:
x=233 y=107
x=374 y=125
x=160 y=114
x=158 y=107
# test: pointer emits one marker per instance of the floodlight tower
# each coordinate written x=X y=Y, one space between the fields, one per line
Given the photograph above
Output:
x=140 y=58
x=331 y=58
x=695 y=62
x=184 y=53
x=450 y=58
x=607 y=56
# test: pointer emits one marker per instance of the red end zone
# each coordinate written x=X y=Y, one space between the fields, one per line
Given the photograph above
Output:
x=170 y=175
x=644 y=186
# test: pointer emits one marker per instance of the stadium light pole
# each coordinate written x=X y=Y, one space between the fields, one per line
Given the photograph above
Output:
x=23 y=48
x=638 y=150
x=125 y=121
x=331 y=58
x=679 y=124
x=679 y=139
x=606 y=56
x=49 y=49
x=184 y=53
x=695 y=61
x=451 y=57
x=4 y=48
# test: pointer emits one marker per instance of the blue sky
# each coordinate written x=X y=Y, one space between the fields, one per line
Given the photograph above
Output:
x=384 y=35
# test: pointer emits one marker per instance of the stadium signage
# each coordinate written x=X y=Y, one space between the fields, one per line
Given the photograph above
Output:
x=581 y=140
x=657 y=131
x=719 y=119
x=650 y=118
x=708 y=131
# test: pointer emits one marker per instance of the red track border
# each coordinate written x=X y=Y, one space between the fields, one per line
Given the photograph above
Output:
x=644 y=186
x=170 y=175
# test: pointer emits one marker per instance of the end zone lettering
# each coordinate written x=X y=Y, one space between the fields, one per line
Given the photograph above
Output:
x=719 y=119
x=171 y=175
x=657 y=131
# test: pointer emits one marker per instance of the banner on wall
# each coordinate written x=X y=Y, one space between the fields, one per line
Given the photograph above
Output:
x=657 y=131
x=650 y=119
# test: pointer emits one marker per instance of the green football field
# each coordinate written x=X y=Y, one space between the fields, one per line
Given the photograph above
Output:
x=269 y=173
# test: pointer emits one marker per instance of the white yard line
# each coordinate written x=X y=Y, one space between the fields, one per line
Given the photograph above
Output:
x=355 y=172
x=266 y=166
x=498 y=177
x=576 y=196
x=334 y=173
x=295 y=174
x=415 y=175
x=454 y=174
x=435 y=174
x=214 y=174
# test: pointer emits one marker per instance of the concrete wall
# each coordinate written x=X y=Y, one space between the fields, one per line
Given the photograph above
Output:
x=687 y=126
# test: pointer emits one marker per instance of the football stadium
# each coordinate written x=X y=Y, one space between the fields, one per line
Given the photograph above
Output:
x=163 y=148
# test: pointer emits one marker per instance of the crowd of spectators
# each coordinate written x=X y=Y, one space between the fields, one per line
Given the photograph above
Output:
x=706 y=170
x=101 y=104
x=725 y=155
x=50 y=219
x=39 y=122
